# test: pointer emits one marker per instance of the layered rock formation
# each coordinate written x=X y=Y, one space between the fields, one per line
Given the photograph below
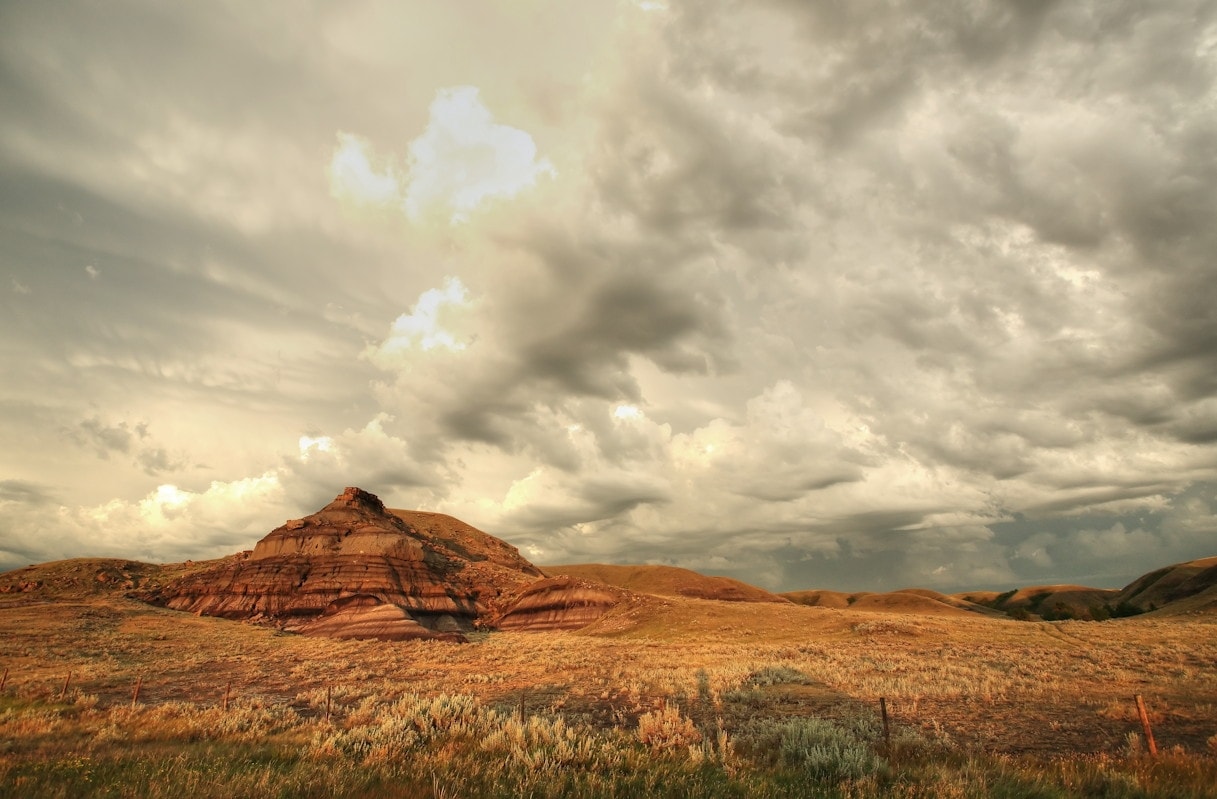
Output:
x=560 y=603
x=367 y=617
x=441 y=573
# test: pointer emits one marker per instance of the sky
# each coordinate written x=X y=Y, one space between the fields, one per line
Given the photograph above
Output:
x=856 y=295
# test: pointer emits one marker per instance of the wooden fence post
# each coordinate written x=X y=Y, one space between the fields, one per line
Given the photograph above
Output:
x=1149 y=733
x=139 y=681
x=66 y=682
x=329 y=700
x=227 y=691
x=522 y=692
x=4 y=680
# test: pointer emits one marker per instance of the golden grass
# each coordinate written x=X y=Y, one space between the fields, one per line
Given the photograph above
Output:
x=665 y=695
x=990 y=684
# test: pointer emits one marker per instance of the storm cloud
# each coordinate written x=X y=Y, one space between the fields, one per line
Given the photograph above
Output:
x=847 y=296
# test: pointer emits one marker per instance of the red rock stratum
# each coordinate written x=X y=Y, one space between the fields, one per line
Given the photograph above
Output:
x=442 y=574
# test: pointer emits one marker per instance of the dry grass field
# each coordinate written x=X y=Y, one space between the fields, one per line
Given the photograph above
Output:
x=665 y=696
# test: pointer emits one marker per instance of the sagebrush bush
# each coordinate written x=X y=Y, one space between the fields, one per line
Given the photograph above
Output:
x=818 y=748
x=667 y=728
x=779 y=675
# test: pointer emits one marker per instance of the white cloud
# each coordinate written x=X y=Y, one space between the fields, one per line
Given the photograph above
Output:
x=310 y=444
x=168 y=524
x=427 y=326
x=173 y=522
x=461 y=161
x=374 y=457
x=464 y=158
x=625 y=412
x=353 y=178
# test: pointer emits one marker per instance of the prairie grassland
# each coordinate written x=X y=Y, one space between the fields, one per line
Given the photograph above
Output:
x=670 y=698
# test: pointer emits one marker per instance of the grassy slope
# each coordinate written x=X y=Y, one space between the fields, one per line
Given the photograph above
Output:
x=1179 y=589
x=1195 y=581
x=918 y=601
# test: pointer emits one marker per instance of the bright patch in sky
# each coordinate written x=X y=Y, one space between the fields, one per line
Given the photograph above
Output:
x=164 y=505
x=627 y=412
x=423 y=328
x=309 y=444
x=352 y=177
x=170 y=495
x=465 y=158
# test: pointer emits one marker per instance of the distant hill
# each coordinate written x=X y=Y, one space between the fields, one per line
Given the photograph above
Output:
x=819 y=598
x=80 y=577
x=1047 y=601
x=1189 y=587
x=666 y=581
x=919 y=601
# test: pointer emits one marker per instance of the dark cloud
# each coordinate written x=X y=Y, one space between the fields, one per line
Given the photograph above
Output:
x=129 y=440
x=625 y=315
x=104 y=439
x=855 y=295
x=24 y=492
x=672 y=160
x=593 y=500
x=156 y=460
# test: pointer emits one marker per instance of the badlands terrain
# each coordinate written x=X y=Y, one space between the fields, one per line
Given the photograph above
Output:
x=366 y=651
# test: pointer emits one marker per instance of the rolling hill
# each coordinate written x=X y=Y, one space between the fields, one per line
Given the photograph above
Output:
x=1189 y=587
x=918 y=601
x=667 y=581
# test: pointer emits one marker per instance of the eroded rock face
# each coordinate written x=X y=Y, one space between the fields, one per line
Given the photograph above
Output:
x=366 y=617
x=560 y=603
x=441 y=573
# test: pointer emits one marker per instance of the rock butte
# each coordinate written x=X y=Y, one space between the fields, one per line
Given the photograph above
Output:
x=435 y=576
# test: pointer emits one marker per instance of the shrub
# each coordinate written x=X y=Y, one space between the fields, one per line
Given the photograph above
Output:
x=667 y=728
x=779 y=675
x=816 y=749
x=1125 y=609
x=1001 y=598
x=1059 y=612
x=824 y=750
